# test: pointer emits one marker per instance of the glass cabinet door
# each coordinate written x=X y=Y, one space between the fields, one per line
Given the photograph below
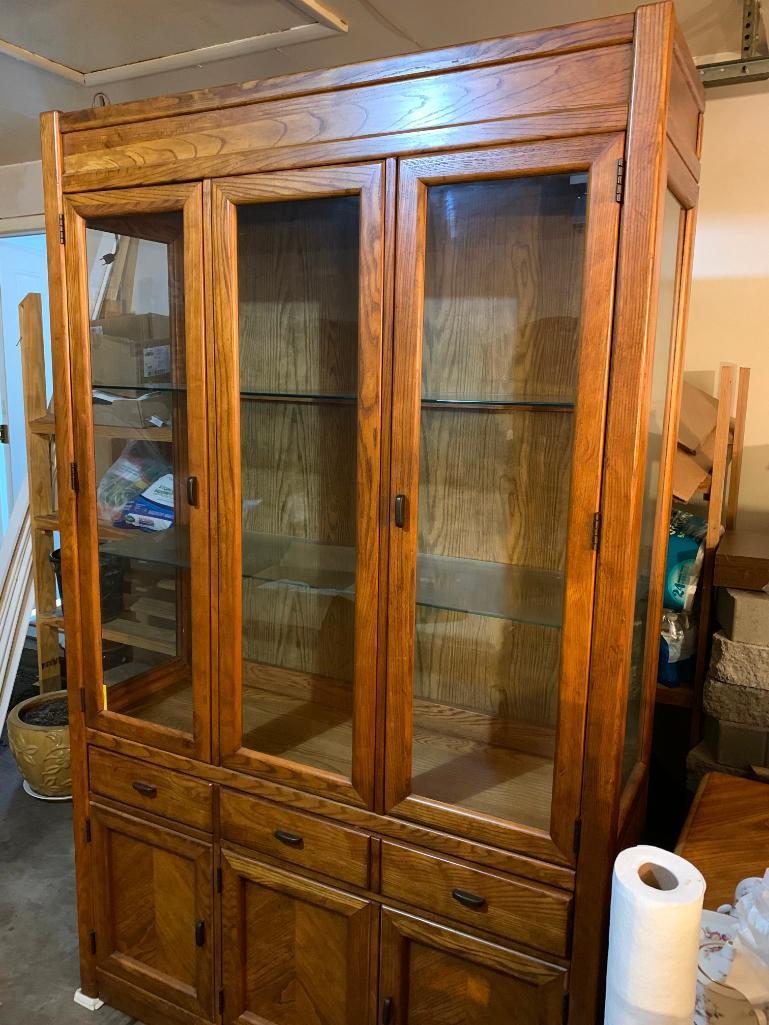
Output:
x=500 y=372
x=299 y=258
x=134 y=265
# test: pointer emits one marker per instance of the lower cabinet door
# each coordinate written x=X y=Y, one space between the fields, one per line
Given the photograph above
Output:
x=294 y=951
x=432 y=975
x=153 y=907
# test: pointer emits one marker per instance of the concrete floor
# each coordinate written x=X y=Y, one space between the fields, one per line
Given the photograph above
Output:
x=38 y=945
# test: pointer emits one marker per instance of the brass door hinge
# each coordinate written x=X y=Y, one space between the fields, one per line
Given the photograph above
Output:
x=577 y=834
x=221 y=1001
x=87 y=830
x=61 y=229
x=565 y=1007
x=74 y=479
x=219 y=886
x=92 y=941
x=619 y=193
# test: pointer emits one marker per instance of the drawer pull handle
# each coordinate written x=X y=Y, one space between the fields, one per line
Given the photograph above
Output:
x=192 y=490
x=200 y=933
x=400 y=510
x=290 y=839
x=387 y=1010
x=470 y=900
x=146 y=789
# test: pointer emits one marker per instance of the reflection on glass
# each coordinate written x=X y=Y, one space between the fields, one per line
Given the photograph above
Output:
x=503 y=289
x=298 y=324
x=137 y=348
x=666 y=306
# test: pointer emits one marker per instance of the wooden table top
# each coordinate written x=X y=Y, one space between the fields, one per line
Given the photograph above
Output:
x=726 y=835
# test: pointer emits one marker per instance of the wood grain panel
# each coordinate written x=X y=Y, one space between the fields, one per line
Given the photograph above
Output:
x=327 y=848
x=154 y=887
x=295 y=951
x=579 y=36
x=516 y=910
x=183 y=144
x=476 y=850
x=66 y=522
x=506 y=670
x=495 y=486
x=162 y=792
x=625 y=452
x=433 y=975
x=297 y=296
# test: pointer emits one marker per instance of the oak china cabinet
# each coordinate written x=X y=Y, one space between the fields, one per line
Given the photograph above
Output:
x=366 y=381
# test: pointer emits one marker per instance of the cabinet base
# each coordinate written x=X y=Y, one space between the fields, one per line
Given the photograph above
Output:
x=90 y=1003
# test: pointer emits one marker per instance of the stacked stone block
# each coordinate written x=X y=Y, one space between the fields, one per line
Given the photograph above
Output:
x=736 y=698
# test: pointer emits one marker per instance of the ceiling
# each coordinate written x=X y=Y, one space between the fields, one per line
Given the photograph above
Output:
x=88 y=35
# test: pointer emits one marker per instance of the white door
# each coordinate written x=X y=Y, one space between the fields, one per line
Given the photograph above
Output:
x=22 y=270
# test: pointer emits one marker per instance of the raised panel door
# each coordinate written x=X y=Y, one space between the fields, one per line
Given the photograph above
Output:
x=294 y=951
x=433 y=975
x=153 y=905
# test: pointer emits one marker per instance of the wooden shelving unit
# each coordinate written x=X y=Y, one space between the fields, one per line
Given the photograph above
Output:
x=721 y=510
x=41 y=469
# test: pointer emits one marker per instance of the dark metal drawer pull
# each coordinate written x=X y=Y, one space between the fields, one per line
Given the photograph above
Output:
x=145 y=788
x=400 y=510
x=200 y=933
x=387 y=1010
x=290 y=839
x=470 y=900
x=192 y=490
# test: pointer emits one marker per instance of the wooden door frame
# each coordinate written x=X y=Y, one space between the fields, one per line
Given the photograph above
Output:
x=597 y=155
x=367 y=182
x=186 y=199
x=106 y=820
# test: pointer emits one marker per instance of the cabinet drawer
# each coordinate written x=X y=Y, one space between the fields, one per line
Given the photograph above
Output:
x=297 y=838
x=536 y=916
x=151 y=788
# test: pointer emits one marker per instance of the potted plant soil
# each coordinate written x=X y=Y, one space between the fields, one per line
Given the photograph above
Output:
x=38 y=735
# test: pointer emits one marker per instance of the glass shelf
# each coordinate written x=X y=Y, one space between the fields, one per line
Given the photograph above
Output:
x=534 y=405
x=321 y=398
x=148 y=386
x=518 y=593
x=166 y=547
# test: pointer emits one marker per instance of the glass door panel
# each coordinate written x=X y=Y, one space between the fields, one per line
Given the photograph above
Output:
x=145 y=465
x=500 y=345
x=503 y=290
x=298 y=319
x=307 y=407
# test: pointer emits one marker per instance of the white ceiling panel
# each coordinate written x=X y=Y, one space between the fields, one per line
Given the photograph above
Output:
x=88 y=35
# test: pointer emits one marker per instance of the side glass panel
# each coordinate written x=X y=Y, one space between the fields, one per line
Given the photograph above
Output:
x=298 y=340
x=503 y=290
x=666 y=308
x=137 y=342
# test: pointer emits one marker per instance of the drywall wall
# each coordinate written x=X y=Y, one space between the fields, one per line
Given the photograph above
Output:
x=729 y=312
x=21 y=191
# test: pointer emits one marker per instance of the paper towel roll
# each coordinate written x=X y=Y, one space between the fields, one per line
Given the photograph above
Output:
x=656 y=903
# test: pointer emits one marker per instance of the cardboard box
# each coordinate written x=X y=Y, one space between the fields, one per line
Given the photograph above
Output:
x=131 y=410
x=120 y=362
x=697 y=418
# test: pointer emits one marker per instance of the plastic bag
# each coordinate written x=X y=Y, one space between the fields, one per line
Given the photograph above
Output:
x=139 y=465
x=677 y=647
x=684 y=560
